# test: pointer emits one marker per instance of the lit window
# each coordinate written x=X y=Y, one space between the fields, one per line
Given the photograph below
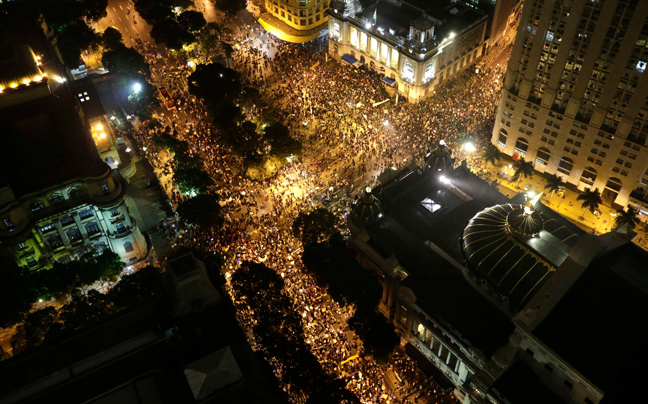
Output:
x=641 y=66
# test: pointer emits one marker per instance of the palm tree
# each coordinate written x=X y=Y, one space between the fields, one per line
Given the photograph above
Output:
x=522 y=168
x=554 y=183
x=628 y=216
x=590 y=200
x=492 y=154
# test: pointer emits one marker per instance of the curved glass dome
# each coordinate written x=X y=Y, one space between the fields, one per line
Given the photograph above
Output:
x=440 y=160
x=367 y=209
x=494 y=245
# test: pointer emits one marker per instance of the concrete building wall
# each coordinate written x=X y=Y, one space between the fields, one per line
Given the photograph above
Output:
x=301 y=15
x=575 y=96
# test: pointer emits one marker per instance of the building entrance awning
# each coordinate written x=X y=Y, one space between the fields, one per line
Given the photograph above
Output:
x=349 y=59
x=389 y=81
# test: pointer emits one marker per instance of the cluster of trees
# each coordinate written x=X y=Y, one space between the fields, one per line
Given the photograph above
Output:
x=21 y=288
x=335 y=267
x=279 y=330
x=203 y=208
x=170 y=28
x=221 y=90
x=84 y=309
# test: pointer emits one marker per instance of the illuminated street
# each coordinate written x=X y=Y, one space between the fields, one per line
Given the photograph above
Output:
x=346 y=143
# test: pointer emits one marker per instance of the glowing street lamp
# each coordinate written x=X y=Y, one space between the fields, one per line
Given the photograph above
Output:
x=137 y=87
x=444 y=179
x=386 y=122
x=469 y=147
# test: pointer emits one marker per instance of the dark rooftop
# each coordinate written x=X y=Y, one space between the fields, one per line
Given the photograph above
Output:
x=440 y=288
x=47 y=144
x=520 y=385
x=599 y=326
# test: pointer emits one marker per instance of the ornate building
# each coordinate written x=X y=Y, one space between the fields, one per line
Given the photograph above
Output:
x=504 y=297
x=296 y=21
x=415 y=44
x=58 y=198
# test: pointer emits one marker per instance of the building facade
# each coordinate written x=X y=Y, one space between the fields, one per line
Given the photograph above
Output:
x=416 y=45
x=295 y=21
x=59 y=198
x=575 y=95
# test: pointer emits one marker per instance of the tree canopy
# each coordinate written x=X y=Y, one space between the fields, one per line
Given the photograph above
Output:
x=125 y=61
x=192 y=20
x=171 y=33
x=315 y=226
x=202 y=210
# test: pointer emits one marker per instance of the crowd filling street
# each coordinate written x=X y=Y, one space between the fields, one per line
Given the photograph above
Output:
x=346 y=144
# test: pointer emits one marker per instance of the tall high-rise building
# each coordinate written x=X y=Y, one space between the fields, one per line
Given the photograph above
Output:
x=575 y=96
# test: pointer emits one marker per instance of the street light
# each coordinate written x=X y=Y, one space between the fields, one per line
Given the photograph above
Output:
x=444 y=179
x=386 y=122
x=469 y=147
x=137 y=87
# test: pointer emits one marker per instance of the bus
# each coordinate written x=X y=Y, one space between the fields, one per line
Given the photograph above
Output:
x=169 y=103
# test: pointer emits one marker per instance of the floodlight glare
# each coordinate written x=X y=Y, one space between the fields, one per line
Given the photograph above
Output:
x=137 y=87
x=444 y=179
x=469 y=147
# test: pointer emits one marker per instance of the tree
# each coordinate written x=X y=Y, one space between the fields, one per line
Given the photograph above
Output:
x=627 y=216
x=192 y=181
x=16 y=295
x=192 y=20
x=231 y=7
x=111 y=38
x=554 y=183
x=94 y=10
x=492 y=154
x=202 y=210
x=522 y=168
x=125 y=61
x=214 y=83
x=281 y=143
x=378 y=336
x=245 y=140
x=315 y=226
x=172 y=34
x=109 y=264
x=144 y=101
x=590 y=200
x=227 y=116
x=137 y=288
x=73 y=39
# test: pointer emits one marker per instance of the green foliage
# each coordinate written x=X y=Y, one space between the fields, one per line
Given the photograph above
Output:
x=111 y=38
x=202 y=210
x=245 y=140
x=172 y=34
x=192 y=20
x=378 y=336
x=192 y=180
x=314 y=227
x=335 y=267
x=231 y=7
x=492 y=154
x=82 y=310
x=281 y=143
x=16 y=293
x=126 y=62
x=627 y=216
x=590 y=200
x=214 y=83
x=75 y=38
x=227 y=116
x=522 y=168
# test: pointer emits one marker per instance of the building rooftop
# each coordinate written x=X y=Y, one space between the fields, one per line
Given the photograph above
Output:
x=520 y=385
x=440 y=287
x=599 y=325
x=47 y=144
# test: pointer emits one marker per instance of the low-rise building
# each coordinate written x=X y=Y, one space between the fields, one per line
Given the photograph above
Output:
x=415 y=44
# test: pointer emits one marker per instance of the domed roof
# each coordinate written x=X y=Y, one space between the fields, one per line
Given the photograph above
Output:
x=367 y=209
x=440 y=160
x=422 y=23
x=495 y=247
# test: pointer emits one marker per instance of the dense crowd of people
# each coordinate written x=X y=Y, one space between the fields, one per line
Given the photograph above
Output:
x=346 y=142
